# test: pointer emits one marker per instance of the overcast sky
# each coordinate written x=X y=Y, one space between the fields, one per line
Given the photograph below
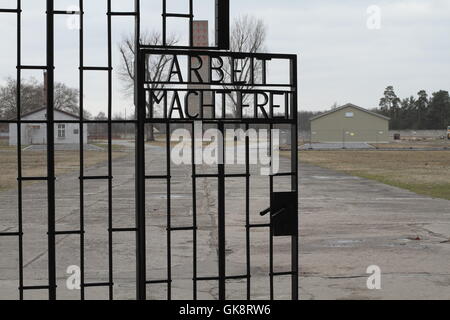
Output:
x=341 y=59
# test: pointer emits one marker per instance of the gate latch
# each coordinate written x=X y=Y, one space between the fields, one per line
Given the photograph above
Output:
x=283 y=213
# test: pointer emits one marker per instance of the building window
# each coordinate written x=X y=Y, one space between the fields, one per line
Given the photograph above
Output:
x=349 y=114
x=75 y=131
x=61 y=131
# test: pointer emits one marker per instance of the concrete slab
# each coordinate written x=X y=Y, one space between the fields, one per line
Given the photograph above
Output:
x=335 y=146
x=347 y=224
x=63 y=147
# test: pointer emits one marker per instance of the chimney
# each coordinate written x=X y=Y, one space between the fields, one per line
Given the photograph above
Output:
x=45 y=89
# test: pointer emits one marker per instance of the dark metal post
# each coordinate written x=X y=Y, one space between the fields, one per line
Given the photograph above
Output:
x=81 y=78
x=223 y=24
x=19 y=145
x=294 y=168
x=51 y=152
x=221 y=214
x=110 y=171
x=140 y=164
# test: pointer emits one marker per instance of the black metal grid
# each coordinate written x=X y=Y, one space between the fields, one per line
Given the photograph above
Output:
x=289 y=119
x=142 y=120
x=50 y=122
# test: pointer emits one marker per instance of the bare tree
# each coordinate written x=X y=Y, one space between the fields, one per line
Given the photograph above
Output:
x=32 y=97
x=156 y=67
x=248 y=34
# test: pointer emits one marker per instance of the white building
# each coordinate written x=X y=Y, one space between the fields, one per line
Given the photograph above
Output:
x=36 y=133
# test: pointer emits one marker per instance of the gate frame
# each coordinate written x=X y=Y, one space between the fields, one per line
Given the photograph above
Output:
x=139 y=229
x=142 y=120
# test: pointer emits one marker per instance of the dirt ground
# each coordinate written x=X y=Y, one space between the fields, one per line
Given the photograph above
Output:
x=414 y=144
x=34 y=163
x=423 y=172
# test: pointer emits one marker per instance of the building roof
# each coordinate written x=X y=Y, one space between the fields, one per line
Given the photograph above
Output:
x=44 y=108
x=351 y=106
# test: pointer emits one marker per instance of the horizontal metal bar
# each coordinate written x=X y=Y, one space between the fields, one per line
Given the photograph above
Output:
x=96 y=68
x=67 y=12
x=177 y=15
x=219 y=89
x=11 y=234
x=166 y=120
x=158 y=281
x=122 y=13
x=95 y=178
x=34 y=288
x=278 y=274
x=237 y=277
x=228 y=175
x=157 y=177
x=226 y=86
x=161 y=47
x=32 y=179
x=10 y=11
x=168 y=50
x=217 y=278
x=98 y=284
x=261 y=225
x=181 y=229
x=71 y=121
x=224 y=121
x=123 y=230
x=32 y=67
x=61 y=233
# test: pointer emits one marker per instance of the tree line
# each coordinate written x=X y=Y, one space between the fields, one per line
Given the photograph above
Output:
x=416 y=112
x=32 y=96
x=421 y=112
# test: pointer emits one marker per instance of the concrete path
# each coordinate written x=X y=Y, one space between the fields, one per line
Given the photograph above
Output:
x=336 y=146
x=347 y=224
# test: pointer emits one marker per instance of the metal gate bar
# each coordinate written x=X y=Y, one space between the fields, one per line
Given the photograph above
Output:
x=81 y=131
x=142 y=120
x=50 y=122
x=194 y=216
x=221 y=175
x=169 y=213
x=221 y=214
x=51 y=151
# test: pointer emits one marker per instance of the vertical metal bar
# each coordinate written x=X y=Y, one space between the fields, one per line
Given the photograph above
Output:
x=140 y=163
x=51 y=152
x=271 y=229
x=294 y=167
x=81 y=130
x=169 y=214
x=223 y=24
x=164 y=23
x=221 y=215
x=194 y=217
x=110 y=222
x=191 y=24
x=247 y=210
x=19 y=144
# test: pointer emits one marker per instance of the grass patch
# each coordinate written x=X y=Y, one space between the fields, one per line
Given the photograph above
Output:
x=34 y=163
x=422 y=172
x=114 y=147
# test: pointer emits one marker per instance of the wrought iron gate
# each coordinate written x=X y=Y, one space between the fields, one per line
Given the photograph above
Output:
x=283 y=217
